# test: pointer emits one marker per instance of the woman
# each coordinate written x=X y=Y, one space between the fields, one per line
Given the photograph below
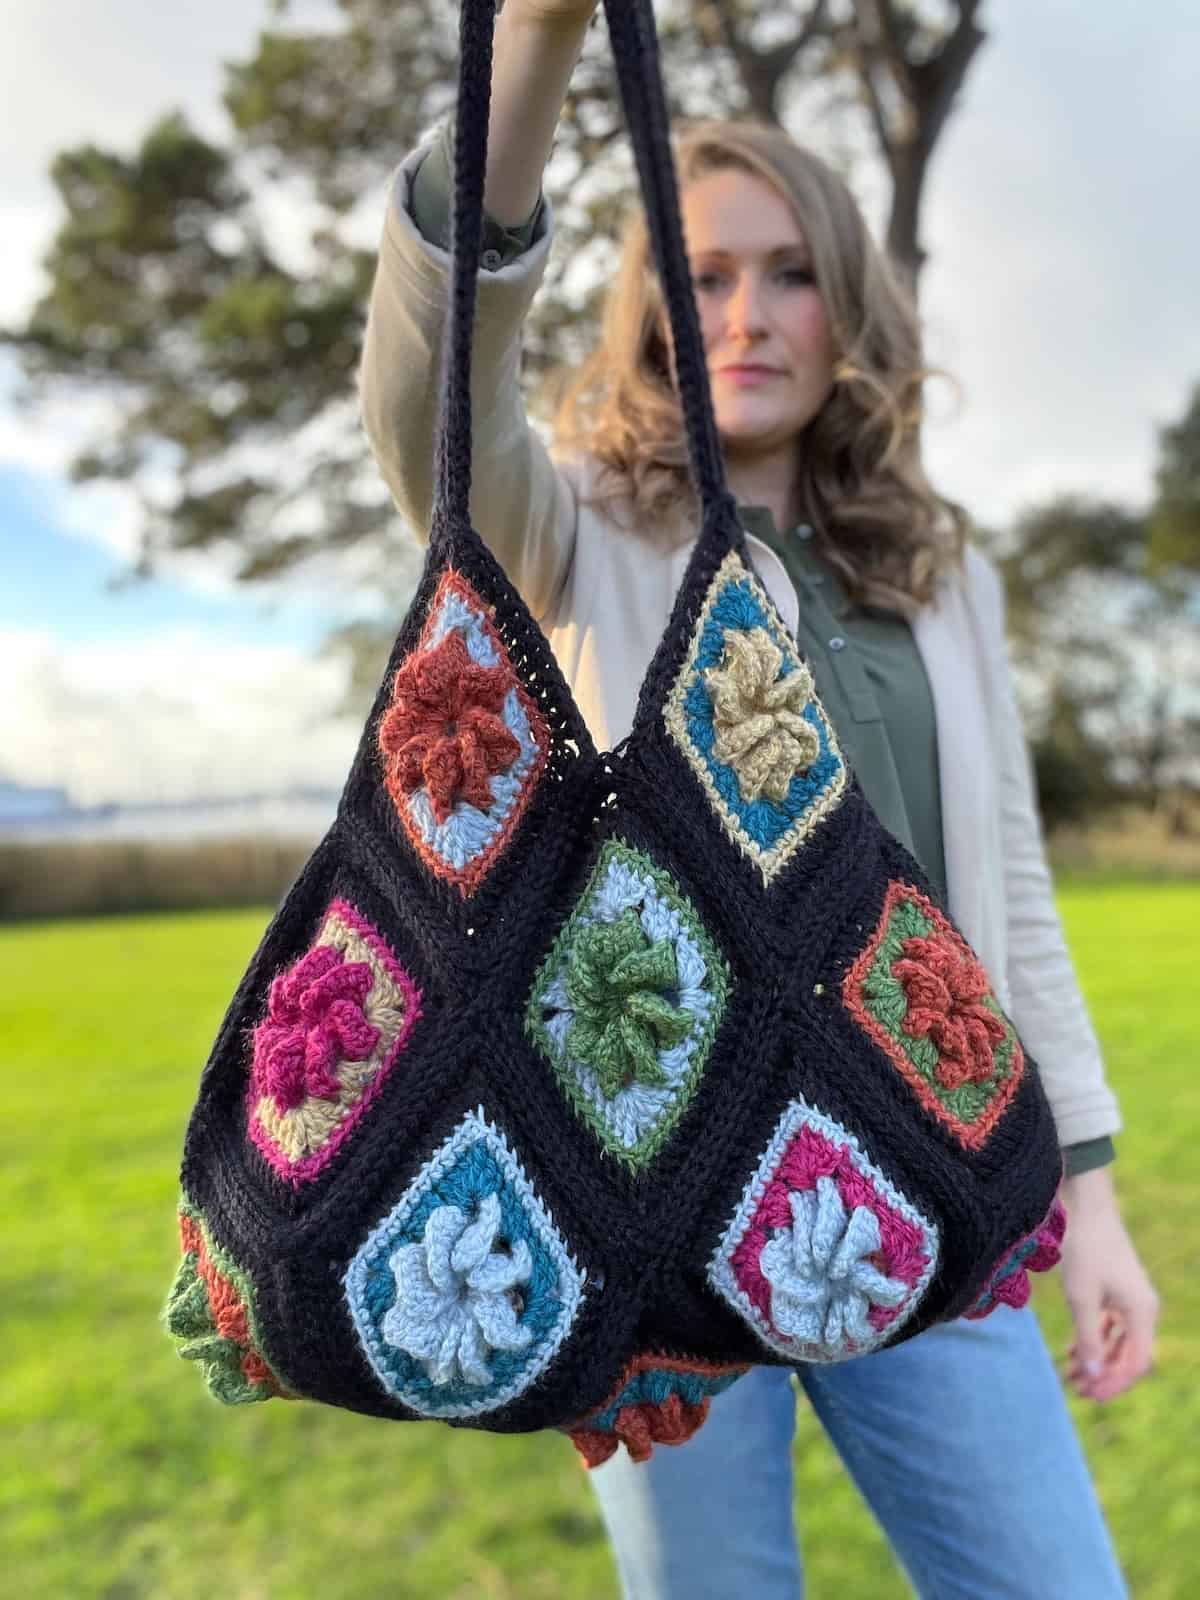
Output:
x=960 y=1440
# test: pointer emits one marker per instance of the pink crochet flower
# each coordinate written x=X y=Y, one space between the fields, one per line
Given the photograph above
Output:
x=314 y=1022
x=1039 y=1251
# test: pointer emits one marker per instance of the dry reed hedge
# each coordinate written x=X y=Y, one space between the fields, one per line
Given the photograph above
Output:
x=97 y=878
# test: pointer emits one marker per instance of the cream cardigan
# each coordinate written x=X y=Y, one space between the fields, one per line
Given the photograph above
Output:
x=603 y=596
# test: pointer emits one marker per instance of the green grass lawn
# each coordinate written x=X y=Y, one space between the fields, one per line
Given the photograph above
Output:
x=122 y=1479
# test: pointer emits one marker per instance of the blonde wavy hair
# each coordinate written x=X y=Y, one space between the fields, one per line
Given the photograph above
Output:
x=861 y=484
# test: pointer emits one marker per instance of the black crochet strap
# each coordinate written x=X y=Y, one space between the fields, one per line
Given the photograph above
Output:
x=634 y=41
x=452 y=460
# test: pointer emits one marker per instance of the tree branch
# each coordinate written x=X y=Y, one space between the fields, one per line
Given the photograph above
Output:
x=760 y=71
x=882 y=35
x=861 y=53
x=937 y=81
x=893 y=50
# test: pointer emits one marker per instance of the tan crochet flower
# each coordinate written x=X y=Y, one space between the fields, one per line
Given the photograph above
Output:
x=761 y=730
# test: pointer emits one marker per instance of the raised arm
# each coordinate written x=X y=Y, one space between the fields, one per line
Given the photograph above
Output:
x=521 y=503
x=538 y=43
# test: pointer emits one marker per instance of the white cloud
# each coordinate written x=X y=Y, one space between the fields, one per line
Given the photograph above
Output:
x=1061 y=285
x=172 y=716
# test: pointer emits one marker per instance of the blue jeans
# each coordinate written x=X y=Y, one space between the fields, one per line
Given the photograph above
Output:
x=960 y=1441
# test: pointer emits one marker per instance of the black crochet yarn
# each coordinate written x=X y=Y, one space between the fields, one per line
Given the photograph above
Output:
x=562 y=1105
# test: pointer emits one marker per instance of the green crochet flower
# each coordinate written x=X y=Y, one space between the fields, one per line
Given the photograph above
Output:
x=617 y=981
x=189 y=1319
x=210 y=1315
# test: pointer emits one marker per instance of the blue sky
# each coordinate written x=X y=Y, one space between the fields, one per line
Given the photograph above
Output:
x=62 y=580
x=1061 y=293
x=161 y=691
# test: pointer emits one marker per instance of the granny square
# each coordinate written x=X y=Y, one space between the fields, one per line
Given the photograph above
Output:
x=210 y=1313
x=658 y=1400
x=923 y=996
x=1039 y=1251
x=464 y=1293
x=336 y=1023
x=463 y=744
x=627 y=1003
x=823 y=1257
x=744 y=713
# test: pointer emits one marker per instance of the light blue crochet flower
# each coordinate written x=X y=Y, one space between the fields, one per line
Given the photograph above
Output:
x=822 y=1284
x=455 y=1294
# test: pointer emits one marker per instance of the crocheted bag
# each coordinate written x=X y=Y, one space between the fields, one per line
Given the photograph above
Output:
x=566 y=1085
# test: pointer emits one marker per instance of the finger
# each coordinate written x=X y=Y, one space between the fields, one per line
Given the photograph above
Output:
x=1093 y=1378
x=1087 y=1314
x=1083 y=1368
x=1079 y=1372
x=1131 y=1362
x=1079 y=1379
x=1129 y=1352
x=1112 y=1334
x=1112 y=1384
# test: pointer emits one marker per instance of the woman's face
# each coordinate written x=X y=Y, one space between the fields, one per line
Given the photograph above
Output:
x=759 y=306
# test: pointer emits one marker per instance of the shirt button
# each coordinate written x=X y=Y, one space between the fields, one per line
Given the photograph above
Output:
x=837 y=642
x=803 y=531
x=491 y=259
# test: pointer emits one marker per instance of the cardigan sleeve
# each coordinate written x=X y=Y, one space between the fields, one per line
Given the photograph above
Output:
x=1047 y=1005
x=522 y=505
x=431 y=191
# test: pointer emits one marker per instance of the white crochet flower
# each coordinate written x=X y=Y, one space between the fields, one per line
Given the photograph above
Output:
x=454 y=1294
x=822 y=1284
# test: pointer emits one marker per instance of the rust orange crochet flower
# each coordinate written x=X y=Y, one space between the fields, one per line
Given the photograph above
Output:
x=444 y=730
x=945 y=988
